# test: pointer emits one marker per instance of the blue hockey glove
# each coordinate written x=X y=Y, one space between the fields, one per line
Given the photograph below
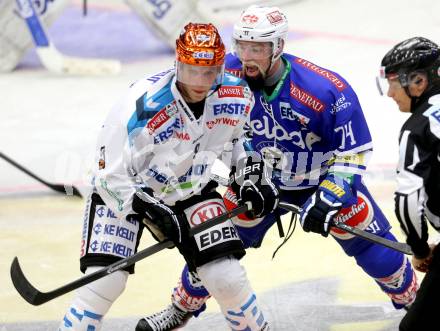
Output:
x=332 y=195
x=251 y=182
x=170 y=222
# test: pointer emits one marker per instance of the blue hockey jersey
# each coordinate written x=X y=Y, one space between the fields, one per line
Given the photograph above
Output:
x=311 y=124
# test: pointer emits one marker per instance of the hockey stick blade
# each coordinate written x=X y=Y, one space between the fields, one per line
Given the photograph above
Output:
x=51 y=58
x=54 y=61
x=62 y=188
x=22 y=285
x=36 y=297
x=398 y=246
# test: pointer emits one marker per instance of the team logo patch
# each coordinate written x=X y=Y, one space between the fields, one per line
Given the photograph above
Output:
x=203 y=55
x=249 y=19
x=112 y=236
x=230 y=92
x=287 y=112
x=275 y=17
x=340 y=85
x=340 y=104
x=215 y=235
x=359 y=215
x=305 y=98
x=203 y=37
x=171 y=109
x=160 y=118
x=229 y=108
x=204 y=211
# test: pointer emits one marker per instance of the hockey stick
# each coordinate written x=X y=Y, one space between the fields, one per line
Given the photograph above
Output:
x=36 y=297
x=398 y=246
x=56 y=187
x=51 y=58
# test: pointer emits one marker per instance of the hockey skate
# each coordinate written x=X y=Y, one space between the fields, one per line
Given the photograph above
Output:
x=171 y=318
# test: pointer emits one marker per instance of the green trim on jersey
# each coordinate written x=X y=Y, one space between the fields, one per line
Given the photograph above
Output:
x=280 y=84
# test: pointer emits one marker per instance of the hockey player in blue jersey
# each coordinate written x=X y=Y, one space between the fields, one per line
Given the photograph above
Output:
x=309 y=125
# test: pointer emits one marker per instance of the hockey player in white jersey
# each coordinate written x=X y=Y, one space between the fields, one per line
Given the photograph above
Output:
x=154 y=156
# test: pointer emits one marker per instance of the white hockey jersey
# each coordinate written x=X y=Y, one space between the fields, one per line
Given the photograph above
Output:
x=151 y=138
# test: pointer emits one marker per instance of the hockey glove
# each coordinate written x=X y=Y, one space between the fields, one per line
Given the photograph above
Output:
x=250 y=182
x=332 y=195
x=168 y=220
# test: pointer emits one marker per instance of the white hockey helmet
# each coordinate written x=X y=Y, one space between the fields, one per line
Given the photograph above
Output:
x=262 y=24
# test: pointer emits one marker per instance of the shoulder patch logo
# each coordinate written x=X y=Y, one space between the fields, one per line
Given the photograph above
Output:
x=336 y=81
x=162 y=116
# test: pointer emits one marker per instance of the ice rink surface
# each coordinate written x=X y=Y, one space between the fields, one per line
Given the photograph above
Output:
x=49 y=124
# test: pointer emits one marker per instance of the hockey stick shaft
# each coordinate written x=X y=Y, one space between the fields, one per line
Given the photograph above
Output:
x=398 y=246
x=36 y=297
x=27 y=11
x=56 y=187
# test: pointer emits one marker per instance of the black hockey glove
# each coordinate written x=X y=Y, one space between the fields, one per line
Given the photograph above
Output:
x=332 y=195
x=250 y=182
x=171 y=223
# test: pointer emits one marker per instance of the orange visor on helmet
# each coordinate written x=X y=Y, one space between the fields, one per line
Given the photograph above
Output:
x=199 y=75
